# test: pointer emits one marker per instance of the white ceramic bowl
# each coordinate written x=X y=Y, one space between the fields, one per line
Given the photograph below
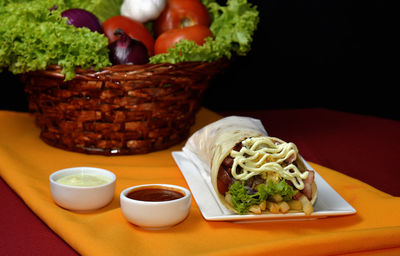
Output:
x=159 y=214
x=82 y=198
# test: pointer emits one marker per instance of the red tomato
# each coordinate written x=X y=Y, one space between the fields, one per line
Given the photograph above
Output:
x=181 y=13
x=196 y=33
x=131 y=27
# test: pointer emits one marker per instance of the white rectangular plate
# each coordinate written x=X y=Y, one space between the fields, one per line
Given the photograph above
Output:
x=329 y=202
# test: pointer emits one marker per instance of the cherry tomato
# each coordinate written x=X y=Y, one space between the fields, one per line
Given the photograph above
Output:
x=181 y=13
x=132 y=28
x=196 y=33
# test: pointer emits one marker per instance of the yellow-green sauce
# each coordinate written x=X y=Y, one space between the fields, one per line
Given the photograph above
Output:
x=262 y=155
x=83 y=180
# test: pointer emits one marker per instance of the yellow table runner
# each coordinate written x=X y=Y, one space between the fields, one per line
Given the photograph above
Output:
x=26 y=163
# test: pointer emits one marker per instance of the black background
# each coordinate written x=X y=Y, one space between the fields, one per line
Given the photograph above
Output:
x=308 y=53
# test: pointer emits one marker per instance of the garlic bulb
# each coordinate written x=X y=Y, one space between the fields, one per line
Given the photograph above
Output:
x=142 y=10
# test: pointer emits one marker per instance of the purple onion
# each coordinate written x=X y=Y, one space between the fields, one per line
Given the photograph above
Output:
x=127 y=50
x=82 y=18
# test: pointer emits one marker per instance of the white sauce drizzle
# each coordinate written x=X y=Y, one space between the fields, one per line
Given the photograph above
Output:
x=266 y=154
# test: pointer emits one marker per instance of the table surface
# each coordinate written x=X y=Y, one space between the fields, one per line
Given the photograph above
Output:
x=363 y=147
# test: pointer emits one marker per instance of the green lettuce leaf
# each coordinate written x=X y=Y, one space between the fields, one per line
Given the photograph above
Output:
x=34 y=37
x=241 y=200
x=282 y=188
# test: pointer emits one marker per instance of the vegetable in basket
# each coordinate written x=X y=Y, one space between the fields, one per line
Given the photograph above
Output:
x=142 y=11
x=180 y=14
x=196 y=33
x=134 y=29
x=33 y=36
x=82 y=18
x=232 y=25
x=127 y=50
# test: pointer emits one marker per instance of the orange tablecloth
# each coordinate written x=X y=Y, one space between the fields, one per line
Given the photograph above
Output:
x=26 y=162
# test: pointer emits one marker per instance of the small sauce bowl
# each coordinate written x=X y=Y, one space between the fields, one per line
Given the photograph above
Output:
x=155 y=206
x=79 y=195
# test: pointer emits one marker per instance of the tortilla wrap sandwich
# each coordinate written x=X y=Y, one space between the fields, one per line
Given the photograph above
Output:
x=251 y=172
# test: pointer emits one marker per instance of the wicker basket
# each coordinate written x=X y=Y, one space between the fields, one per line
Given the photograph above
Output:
x=120 y=110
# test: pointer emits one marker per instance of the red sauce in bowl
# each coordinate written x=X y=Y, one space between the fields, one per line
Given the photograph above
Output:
x=155 y=194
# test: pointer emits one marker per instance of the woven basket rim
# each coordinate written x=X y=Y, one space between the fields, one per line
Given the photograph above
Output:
x=126 y=69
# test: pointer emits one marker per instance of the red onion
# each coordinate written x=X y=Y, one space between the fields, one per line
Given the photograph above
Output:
x=127 y=50
x=82 y=18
